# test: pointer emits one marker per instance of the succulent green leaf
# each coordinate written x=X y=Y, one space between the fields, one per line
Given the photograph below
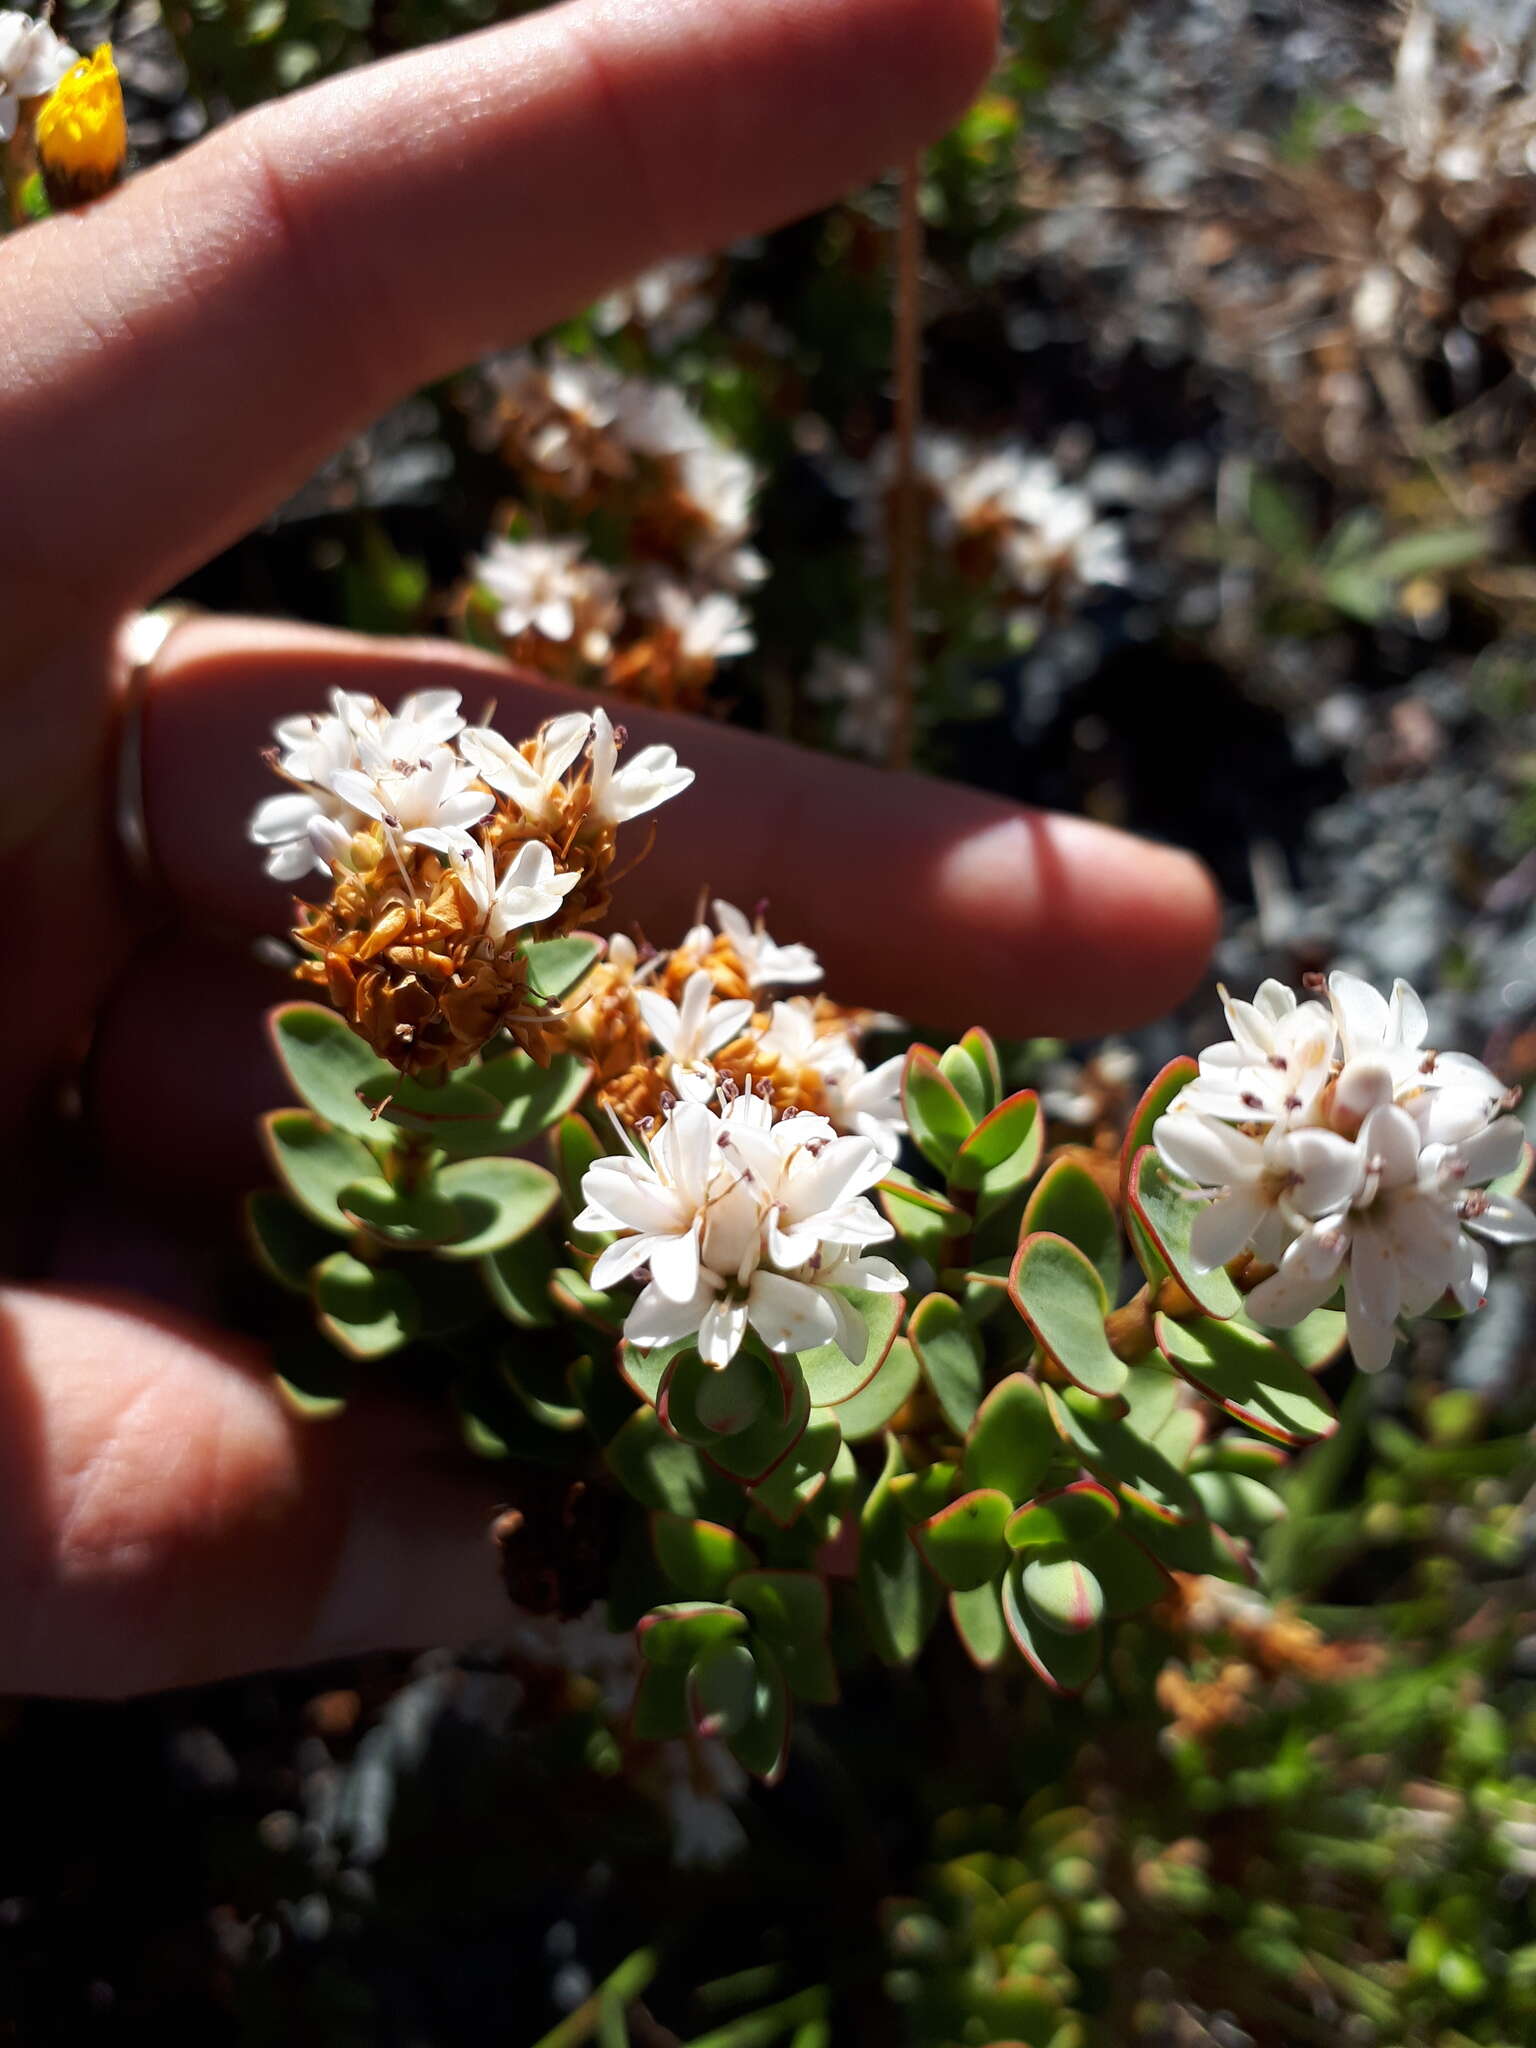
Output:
x=921 y=1494
x=1173 y=1079
x=575 y=1146
x=798 y=1478
x=498 y=1200
x=1114 y=1450
x=919 y=1217
x=1317 y=1340
x=981 y=1049
x=1068 y=1202
x=315 y=1162
x=1003 y=1151
x=660 y=1712
x=950 y=1353
x=556 y=967
x=517 y=1278
x=967 y=1079
x=1158 y=1409
x=964 y=1541
x=1235 y=1452
x=830 y=1375
x=754 y=1452
x=978 y=1619
x=1066 y=1662
x=455 y=1114
x=573 y=1292
x=871 y=1408
x=540 y=1383
x=1159 y=1201
x=1062 y=1593
x=700 y=1403
x=1239 y=1503
x=1132 y=1581
x=418 y=1221
x=684 y=1629
x=900 y=1595
x=762 y=1743
x=658 y=1471
x=645 y=1370
x=366 y=1311
x=1060 y=1294
x=722 y=1690
x=327 y=1063
x=1253 y=1380
x=530 y=1098
x=1192 y=1546
x=285 y=1241
x=1012 y=1441
x=791 y=1612
x=1065 y=1520
x=700 y=1558
x=315 y=1383
x=936 y=1114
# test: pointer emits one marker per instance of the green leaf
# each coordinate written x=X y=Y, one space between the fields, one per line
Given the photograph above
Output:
x=1278 y=518
x=1317 y=1340
x=1069 y=1203
x=900 y=1596
x=1131 y=1580
x=498 y=1200
x=700 y=1402
x=556 y=967
x=366 y=1311
x=327 y=1063
x=455 y=1114
x=700 y=1558
x=541 y=1384
x=1065 y=1662
x=1004 y=1149
x=950 y=1353
x=575 y=1148
x=790 y=1610
x=1165 y=1086
x=978 y=1620
x=964 y=1541
x=420 y=1221
x=1012 y=1441
x=315 y=1162
x=867 y=1412
x=286 y=1243
x=1252 y=1379
x=530 y=1098
x=1234 y=1452
x=1061 y=1297
x=313 y=1381
x=831 y=1376
x=1062 y=1593
x=762 y=1743
x=517 y=1278
x=660 y=1712
x=659 y=1472
x=1067 y=1519
x=722 y=1690
x=920 y=1218
x=1119 y=1455
x=1161 y=1205
x=685 y=1629
x=573 y=1292
x=755 y=1451
x=967 y=1079
x=936 y=1115
x=1193 y=1546
x=979 y=1048
x=1239 y=1503
x=798 y=1478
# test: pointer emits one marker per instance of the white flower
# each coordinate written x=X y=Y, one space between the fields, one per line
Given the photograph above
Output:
x=690 y=1032
x=1059 y=534
x=32 y=61
x=548 y=587
x=308 y=826
x=860 y=694
x=1262 y=1191
x=742 y=1222
x=764 y=961
x=1274 y=1065
x=650 y=778
x=533 y=780
x=657 y=420
x=669 y=302
x=430 y=793
x=859 y=1099
x=711 y=626
x=528 y=891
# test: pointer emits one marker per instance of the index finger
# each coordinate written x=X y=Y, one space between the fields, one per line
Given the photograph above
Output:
x=945 y=904
x=181 y=355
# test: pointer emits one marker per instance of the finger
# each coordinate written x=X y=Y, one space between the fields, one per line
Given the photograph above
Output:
x=944 y=904
x=164 y=1520
x=186 y=351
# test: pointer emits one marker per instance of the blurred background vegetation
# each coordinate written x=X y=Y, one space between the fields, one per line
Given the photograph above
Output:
x=1247 y=289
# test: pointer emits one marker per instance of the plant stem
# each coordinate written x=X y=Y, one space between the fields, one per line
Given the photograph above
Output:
x=904 y=525
x=619 y=1990
x=959 y=1246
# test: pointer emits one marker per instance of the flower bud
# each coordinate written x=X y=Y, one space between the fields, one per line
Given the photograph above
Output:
x=1363 y=1085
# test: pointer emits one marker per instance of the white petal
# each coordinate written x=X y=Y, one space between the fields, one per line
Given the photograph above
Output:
x=788 y=1315
x=1221 y=1229
x=1504 y=1221
x=1373 y=1279
x=1362 y=1014
x=617 y=1261
x=1390 y=1135
x=661 y=1017
x=281 y=818
x=1492 y=1153
x=675 y=1265
x=654 y=1320
x=1204 y=1151
x=1330 y=1167
x=1308 y=1275
x=1370 y=1339
x=725 y=1021
x=721 y=1331
x=1408 y=1020
x=1469 y=1279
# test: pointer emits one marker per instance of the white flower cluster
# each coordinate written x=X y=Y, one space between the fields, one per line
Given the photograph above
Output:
x=688 y=1034
x=736 y=1220
x=1330 y=1142
x=32 y=61
x=427 y=777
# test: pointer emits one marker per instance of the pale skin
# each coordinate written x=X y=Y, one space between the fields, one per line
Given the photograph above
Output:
x=172 y=362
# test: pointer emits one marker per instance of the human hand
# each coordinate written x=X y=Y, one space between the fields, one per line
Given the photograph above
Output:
x=174 y=361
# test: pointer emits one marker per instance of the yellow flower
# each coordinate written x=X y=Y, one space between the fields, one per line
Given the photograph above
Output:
x=82 y=137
